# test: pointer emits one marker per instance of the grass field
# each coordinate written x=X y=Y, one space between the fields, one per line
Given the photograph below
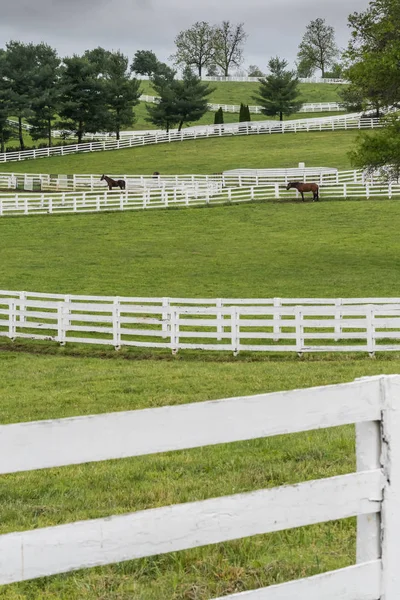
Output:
x=334 y=248
x=227 y=92
x=325 y=149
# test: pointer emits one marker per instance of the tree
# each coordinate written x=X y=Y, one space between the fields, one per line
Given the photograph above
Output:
x=228 y=43
x=18 y=71
x=352 y=98
x=380 y=151
x=164 y=113
x=372 y=58
x=305 y=69
x=145 y=62
x=336 y=71
x=219 y=117
x=192 y=96
x=279 y=92
x=83 y=101
x=179 y=101
x=194 y=47
x=46 y=88
x=318 y=47
x=212 y=71
x=5 y=105
x=121 y=93
x=254 y=71
x=244 y=113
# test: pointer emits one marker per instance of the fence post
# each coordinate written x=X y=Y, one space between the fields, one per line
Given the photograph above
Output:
x=174 y=329
x=276 y=190
x=390 y=459
x=277 y=318
x=220 y=327
x=165 y=327
x=11 y=320
x=299 y=330
x=235 y=330
x=368 y=450
x=22 y=307
x=370 y=331
x=338 y=319
x=60 y=324
x=116 y=324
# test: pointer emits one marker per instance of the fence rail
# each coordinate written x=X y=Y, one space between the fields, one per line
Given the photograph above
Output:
x=193 y=182
x=25 y=203
x=233 y=326
x=338 y=123
x=372 y=493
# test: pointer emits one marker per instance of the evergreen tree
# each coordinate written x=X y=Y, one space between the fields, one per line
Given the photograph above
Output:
x=46 y=89
x=179 y=101
x=278 y=92
x=219 y=117
x=5 y=105
x=83 y=102
x=247 y=113
x=18 y=72
x=121 y=92
x=242 y=113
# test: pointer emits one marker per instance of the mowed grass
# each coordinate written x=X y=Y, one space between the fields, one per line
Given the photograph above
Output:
x=288 y=249
x=230 y=92
x=316 y=149
x=37 y=387
x=346 y=248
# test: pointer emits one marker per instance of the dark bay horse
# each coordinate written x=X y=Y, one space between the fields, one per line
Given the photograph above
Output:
x=304 y=187
x=113 y=183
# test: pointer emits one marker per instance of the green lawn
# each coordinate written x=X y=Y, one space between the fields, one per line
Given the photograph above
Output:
x=333 y=248
x=37 y=387
x=228 y=92
x=325 y=149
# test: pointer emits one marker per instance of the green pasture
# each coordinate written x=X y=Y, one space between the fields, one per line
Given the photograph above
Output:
x=35 y=386
x=230 y=92
x=332 y=248
x=317 y=149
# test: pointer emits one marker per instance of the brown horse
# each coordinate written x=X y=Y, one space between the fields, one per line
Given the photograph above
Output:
x=113 y=183
x=305 y=187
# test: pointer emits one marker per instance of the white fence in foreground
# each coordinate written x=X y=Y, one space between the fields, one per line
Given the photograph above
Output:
x=340 y=123
x=311 y=325
x=26 y=203
x=372 y=493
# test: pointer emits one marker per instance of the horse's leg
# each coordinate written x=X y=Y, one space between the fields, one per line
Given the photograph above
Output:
x=302 y=196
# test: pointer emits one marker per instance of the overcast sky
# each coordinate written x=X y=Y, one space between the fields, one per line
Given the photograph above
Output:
x=274 y=27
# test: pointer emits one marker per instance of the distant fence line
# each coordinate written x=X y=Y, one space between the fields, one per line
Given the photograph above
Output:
x=235 y=108
x=26 y=203
x=339 y=123
x=244 y=79
x=217 y=181
x=274 y=325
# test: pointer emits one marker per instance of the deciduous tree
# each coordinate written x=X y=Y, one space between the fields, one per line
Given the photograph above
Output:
x=318 y=48
x=194 y=47
x=228 y=41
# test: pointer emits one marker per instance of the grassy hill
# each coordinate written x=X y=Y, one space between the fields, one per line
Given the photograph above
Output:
x=327 y=149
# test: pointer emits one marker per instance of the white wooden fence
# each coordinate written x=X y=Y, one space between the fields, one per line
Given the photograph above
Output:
x=243 y=325
x=338 y=123
x=193 y=182
x=26 y=203
x=372 y=493
x=257 y=79
x=235 y=108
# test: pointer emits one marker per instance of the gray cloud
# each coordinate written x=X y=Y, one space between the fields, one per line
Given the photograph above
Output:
x=274 y=27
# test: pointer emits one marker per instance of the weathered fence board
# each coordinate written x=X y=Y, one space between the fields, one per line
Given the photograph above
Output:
x=44 y=444
x=156 y=531
x=360 y=582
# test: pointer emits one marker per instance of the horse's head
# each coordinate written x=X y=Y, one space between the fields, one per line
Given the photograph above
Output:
x=102 y=177
x=289 y=185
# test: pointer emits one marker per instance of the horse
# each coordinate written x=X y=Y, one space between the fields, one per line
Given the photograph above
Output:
x=305 y=187
x=113 y=183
